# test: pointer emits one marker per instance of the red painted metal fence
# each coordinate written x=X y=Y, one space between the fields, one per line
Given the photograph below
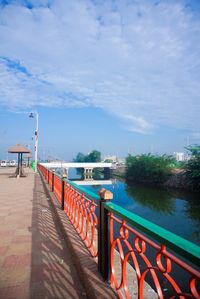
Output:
x=129 y=247
x=79 y=209
x=133 y=249
x=50 y=179
x=81 y=212
x=58 y=187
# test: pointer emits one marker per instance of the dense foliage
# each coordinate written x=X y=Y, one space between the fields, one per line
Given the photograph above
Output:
x=193 y=167
x=149 y=169
x=93 y=156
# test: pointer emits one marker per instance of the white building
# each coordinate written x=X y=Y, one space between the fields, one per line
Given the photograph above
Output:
x=112 y=159
x=179 y=156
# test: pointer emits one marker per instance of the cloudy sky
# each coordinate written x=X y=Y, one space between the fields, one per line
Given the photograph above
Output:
x=119 y=76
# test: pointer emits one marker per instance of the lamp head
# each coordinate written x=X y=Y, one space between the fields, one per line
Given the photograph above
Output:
x=31 y=115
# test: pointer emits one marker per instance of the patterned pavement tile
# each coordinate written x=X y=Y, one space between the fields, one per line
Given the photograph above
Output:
x=6 y=232
x=33 y=259
x=20 y=291
x=17 y=261
x=20 y=248
x=22 y=238
x=14 y=276
x=3 y=250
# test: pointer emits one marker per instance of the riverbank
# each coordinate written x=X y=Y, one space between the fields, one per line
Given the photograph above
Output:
x=177 y=180
x=119 y=172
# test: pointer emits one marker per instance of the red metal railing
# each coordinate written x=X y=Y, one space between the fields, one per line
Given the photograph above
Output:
x=130 y=250
x=58 y=187
x=133 y=250
x=81 y=212
x=79 y=209
x=50 y=179
x=46 y=174
x=43 y=170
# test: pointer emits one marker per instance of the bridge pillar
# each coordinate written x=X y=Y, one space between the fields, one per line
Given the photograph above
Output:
x=88 y=176
x=88 y=170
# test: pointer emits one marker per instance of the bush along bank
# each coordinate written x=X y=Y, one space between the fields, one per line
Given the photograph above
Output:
x=162 y=171
x=192 y=167
x=149 y=169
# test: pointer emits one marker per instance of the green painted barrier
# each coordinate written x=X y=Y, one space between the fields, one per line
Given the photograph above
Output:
x=88 y=193
x=179 y=245
x=33 y=165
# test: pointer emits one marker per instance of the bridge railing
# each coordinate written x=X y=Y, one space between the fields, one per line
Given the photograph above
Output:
x=132 y=253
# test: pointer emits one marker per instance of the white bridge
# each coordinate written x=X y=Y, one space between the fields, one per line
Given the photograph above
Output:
x=92 y=182
x=87 y=166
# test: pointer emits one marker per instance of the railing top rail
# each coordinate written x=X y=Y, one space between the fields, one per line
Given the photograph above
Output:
x=58 y=175
x=88 y=193
x=179 y=245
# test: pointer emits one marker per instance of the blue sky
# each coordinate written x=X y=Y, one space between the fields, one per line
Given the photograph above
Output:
x=117 y=76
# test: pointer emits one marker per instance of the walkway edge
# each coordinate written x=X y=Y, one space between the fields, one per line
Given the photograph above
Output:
x=86 y=265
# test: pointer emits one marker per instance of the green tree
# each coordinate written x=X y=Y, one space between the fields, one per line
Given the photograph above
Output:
x=193 y=167
x=93 y=156
x=80 y=157
x=149 y=169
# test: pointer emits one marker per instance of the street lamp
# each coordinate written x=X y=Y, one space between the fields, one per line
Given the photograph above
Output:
x=31 y=115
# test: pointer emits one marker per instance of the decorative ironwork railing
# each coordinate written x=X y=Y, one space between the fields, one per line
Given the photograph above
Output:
x=81 y=212
x=57 y=187
x=79 y=205
x=51 y=175
x=133 y=253
x=152 y=261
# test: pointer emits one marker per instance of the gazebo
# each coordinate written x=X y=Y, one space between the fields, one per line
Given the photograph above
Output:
x=28 y=156
x=20 y=150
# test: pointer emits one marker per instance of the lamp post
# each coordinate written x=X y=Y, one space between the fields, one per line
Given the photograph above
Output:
x=31 y=115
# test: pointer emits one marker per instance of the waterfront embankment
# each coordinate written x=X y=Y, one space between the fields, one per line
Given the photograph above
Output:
x=177 y=180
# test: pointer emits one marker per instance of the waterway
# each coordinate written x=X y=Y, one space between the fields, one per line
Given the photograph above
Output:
x=178 y=212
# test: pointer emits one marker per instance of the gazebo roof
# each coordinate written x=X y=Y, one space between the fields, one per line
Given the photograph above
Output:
x=18 y=148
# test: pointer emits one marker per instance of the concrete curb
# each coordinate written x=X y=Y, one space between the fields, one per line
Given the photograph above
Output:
x=87 y=267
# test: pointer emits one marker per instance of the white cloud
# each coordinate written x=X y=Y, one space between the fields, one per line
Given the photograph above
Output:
x=139 y=124
x=137 y=60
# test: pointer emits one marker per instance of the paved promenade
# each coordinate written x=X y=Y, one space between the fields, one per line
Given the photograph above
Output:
x=34 y=259
x=41 y=255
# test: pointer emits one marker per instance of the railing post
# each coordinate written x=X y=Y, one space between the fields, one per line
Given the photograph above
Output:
x=52 y=189
x=62 y=194
x=104 y=235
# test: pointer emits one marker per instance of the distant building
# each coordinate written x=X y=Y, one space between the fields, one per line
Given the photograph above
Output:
x=112 y=159
x=179 y=156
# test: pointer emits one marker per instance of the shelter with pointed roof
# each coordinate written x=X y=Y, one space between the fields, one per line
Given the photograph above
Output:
x=20 y=150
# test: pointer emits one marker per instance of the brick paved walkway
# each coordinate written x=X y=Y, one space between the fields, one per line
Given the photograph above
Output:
x=34 y=259
x=41 y=255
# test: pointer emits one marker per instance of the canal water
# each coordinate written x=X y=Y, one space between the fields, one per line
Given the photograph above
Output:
x=178 y=212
